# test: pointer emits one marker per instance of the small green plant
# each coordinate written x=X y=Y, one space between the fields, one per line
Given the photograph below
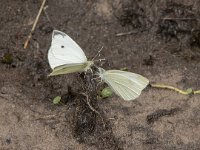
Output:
x=106 y=92
x=57 y=100
x=7 y=58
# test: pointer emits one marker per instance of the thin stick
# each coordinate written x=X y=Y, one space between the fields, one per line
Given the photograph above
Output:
x=187 y=92
x=46 y=14
x=197 y=92
x=130 y=32
x=34 y=25
x=180 y=18
x=126 y=33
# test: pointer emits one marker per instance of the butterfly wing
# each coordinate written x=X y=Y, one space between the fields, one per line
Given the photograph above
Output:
x=68 y=68
x=127 y=85
x=64 y=51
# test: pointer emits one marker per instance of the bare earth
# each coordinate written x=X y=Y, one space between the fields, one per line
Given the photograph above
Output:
x=162 y=44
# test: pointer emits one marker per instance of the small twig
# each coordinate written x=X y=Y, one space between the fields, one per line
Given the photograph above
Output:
x=196 y=92
x=46 y=14
x=180 y=18
x=126 y=33
x=34 y=25
x=187 y=92
x=45 y=117
x=131 y=32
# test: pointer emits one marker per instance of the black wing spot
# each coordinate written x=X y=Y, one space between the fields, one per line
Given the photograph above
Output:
x=62 y=46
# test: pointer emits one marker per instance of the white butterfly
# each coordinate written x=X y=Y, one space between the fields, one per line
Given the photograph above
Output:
x=65 y=56
x=125 y=84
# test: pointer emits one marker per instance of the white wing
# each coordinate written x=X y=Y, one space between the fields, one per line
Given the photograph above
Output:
x=127 y=85
x=64 y=50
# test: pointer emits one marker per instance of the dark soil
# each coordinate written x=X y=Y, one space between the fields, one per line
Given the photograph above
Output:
x=157 y=39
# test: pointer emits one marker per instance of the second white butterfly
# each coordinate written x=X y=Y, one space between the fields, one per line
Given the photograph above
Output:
x=125 y=84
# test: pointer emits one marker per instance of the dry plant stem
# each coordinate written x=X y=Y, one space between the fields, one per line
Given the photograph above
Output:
x=196 y=92
x=130 y=32
x=126 y=33
x=34 y=25
x=161 y=86
x=46 y=14
x=180 y=18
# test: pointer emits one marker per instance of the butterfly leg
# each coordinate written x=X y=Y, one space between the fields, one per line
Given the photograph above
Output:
x=91 y=70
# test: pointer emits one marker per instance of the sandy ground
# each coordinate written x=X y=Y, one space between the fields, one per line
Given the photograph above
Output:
x=161 y=42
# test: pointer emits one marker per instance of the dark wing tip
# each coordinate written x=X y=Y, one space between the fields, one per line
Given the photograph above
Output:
x=56 y=32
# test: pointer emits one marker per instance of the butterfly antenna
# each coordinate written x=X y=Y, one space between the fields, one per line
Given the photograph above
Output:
x=100 y=59
x=98 y=54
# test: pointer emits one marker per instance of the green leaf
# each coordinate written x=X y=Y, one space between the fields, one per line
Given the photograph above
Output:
x=106 y=92
x=189 y=91
x=56 y=100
